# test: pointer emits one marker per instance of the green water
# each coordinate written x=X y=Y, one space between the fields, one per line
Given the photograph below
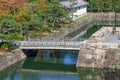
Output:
x=91 y=28
x=47 y=66
x=89 y=31
x=98 y=74
x=59 y=60
x=59 y=67
x=17 y=72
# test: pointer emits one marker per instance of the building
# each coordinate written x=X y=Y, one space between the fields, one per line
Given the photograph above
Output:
x=77 y=7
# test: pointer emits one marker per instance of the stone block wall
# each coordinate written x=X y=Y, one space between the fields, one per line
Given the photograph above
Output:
x=65 y=31
x=106 y=16
x=11 y=58
x=98 y=54
x=94 y=19
x=11 y=70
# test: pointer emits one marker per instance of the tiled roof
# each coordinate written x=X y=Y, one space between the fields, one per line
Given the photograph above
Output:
x=79 y=3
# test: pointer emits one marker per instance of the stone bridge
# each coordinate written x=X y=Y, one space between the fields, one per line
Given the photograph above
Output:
x=66 y=45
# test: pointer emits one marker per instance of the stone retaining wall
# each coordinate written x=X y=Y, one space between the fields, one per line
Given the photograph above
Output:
x=95 y=18
x=11 y=58
x=97 y=54
x=102 y=57
x=65 y=31
x=106 y=16
x=11 y=70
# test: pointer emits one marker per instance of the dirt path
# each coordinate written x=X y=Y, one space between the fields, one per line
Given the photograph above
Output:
x=2 y=52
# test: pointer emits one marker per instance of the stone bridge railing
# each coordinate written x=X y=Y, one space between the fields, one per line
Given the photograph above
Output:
x=100 y=45
x=70 y=45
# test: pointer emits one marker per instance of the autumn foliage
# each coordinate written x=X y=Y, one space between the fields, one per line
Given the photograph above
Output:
x=21 y=17
x=43 y=6
x=10 y=5
x=30 y=19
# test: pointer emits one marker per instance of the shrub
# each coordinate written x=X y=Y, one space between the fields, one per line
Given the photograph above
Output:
x=5 y=46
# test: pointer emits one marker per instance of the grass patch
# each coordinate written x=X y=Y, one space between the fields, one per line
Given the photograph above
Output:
x=11 y=37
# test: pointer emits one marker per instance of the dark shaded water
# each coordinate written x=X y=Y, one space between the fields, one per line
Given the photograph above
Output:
x=53 y=60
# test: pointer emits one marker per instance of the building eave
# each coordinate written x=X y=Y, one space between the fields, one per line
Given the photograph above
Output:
x=79 y=3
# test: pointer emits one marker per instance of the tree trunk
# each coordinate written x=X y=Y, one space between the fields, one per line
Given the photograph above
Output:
x=114 y=28
x=21 y=30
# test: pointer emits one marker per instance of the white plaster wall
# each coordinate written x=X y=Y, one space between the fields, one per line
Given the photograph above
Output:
x=81 y=11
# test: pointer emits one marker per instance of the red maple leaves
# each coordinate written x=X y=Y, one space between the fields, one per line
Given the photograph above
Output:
x=10 y=5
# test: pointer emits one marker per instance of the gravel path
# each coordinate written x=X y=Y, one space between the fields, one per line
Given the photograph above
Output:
x=112 y=39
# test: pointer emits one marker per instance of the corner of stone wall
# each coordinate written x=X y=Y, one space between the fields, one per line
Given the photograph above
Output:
x=99 y=58
x=11 y=58
x=95 y=53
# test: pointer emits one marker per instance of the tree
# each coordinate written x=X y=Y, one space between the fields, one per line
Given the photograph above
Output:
x=9 y=28
x=57 y=13
x=7 y=6
x=8 y=23
x=115 y=8
x=33 y=18
x=29 y=17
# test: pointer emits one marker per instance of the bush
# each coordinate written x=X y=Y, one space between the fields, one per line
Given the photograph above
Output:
x=4 y=46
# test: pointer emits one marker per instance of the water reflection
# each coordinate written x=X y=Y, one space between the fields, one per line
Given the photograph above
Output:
x=48 y=75
x=53 y=60
x=26 y=74
x=15 y=72
x=57 y=56
x=11 y=72
x=98 y=74
x=70 y=58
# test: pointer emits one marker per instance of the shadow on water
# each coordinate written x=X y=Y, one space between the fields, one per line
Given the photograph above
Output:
x=53 y=60
x=98 y=74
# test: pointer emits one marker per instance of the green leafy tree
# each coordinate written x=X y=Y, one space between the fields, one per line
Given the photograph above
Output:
x=8 y=24
x=57 y=14
x=33 y=18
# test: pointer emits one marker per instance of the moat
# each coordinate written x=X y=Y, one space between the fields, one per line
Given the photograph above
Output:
x=58 y=65
x=62 y=68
